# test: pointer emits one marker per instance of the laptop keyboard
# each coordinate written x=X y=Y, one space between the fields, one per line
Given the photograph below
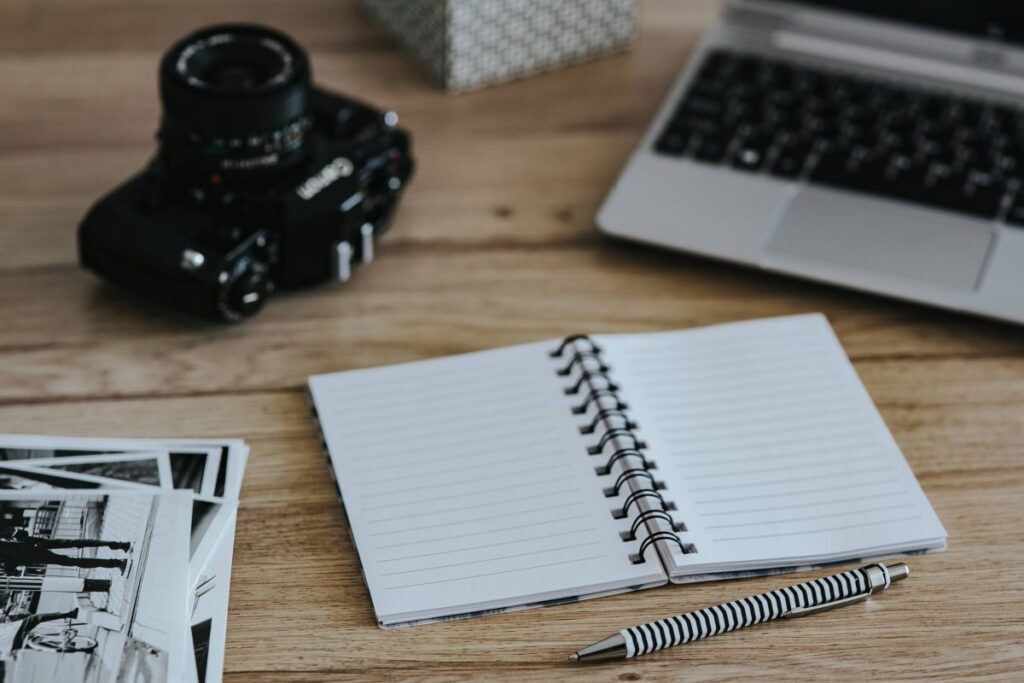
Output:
x=762 y=115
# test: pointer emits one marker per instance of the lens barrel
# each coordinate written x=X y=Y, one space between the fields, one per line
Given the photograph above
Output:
x=235 y=101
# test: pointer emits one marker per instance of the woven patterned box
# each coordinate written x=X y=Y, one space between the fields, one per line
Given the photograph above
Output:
x=466 y=44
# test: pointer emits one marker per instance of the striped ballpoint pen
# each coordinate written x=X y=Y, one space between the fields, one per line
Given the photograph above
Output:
x=792 y=601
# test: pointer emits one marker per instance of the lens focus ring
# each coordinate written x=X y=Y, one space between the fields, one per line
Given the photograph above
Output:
x=234 y=82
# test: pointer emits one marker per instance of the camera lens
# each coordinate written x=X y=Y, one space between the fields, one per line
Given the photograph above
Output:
x=235 y=103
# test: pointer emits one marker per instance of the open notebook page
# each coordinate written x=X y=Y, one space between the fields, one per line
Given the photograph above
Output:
x=770 y=446
x=468 y=487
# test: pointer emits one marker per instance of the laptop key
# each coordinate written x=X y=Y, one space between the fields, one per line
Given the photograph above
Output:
x=672 y=143
x=832 y=166
x=955 y=194
x=789 y=162
x=710 y=149
x=707 y=127
x=704 y=106
x=907 y=179
x=749 y=157
x=870 y=175
x=1015 y=215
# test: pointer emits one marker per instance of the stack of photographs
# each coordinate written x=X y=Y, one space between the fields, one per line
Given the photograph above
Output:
x=115 y=557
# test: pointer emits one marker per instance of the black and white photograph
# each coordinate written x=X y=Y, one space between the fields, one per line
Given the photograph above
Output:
x=202 y=468
x=207 y=517
x=68 y=463
x=90 y=589
x=209 y=611
x=25 y=478
x=210 y=468
x=145 y=468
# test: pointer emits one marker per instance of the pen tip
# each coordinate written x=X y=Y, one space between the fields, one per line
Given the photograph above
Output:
x=574 y=657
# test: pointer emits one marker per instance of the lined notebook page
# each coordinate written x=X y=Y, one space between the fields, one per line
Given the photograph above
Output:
x=769 y=446
x=467 y=486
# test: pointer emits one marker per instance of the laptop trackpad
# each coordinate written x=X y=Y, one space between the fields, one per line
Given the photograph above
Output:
x=822 y=226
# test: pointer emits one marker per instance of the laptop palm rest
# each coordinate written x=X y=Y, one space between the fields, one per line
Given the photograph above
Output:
x=882 y=238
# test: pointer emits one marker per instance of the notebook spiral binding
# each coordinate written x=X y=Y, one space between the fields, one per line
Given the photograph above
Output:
x=612 y=426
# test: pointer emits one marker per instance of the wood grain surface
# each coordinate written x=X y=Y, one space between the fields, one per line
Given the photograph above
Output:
x=494 y=245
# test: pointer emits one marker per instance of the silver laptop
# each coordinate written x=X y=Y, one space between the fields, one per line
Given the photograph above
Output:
x=877 y=145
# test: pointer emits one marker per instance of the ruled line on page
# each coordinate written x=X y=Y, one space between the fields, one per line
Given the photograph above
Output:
x=470 y=412
x=794 y=385
x=502 y=544
x=856 y=446
x=803 y=465
x=843 y=487
x=446 y=444
x=483 y=504
x=781 y=415
x=501 y=573
x=817 y=476
x=470 y=427
x=446 y=495
x=820 y=531
x=671 y=378
x=420 y=570
x=416 y=469
x=801 y=439
x=405 y=401
x=648 y=367
x=666 y=408
x=479 y=463
x=815 y=517
x=748 y=403
x=426 y=456
x=486 y=518
x=736 y=381
x=656 y=352
x=448 y=483
x=648 y=361
x=385 y=393
x=435 y=539
x=818 y=503
x=814 y=429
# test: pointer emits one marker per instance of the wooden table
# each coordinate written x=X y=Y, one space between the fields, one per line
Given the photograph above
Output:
x=494 y=245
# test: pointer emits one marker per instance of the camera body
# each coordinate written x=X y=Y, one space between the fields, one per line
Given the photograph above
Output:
x=252 y=188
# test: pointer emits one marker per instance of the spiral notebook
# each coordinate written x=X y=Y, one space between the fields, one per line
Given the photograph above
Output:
x=563 y=470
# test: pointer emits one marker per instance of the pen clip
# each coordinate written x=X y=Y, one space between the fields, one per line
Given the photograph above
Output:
x=879 y=577
x=807 y=611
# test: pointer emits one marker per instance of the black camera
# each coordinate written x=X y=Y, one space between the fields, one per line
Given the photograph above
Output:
x=261 y=180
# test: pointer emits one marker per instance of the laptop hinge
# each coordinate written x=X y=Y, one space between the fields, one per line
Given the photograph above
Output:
x=879 y=45
x=755 y=18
